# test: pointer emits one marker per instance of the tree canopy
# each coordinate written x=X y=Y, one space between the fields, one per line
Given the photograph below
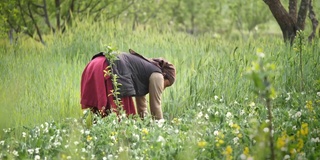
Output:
x=227 y=17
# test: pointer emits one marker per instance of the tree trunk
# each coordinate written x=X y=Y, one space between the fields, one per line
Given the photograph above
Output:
x=302 y=14
x=293 y=9
x=285 y=21
x=314 y=22
x=57 y=3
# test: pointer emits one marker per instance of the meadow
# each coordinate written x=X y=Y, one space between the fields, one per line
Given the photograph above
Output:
x=215 y=109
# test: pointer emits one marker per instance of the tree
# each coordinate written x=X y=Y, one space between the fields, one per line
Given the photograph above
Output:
x=37 y=17
x=291 y=21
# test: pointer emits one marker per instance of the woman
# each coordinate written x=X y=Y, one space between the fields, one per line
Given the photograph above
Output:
x=138 y=77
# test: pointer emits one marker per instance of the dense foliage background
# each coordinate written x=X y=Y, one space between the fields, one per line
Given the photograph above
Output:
x=227 y=18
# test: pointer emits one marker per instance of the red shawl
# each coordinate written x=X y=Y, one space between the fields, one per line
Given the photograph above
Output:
x=96 y=89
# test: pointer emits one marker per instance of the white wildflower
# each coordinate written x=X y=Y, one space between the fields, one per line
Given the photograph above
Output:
x=286 y=157
x=56 y=143
x=24 y=134
x=261 y=55
x=289 y=97
x=199 y=115
x=294 y=128
x=216 y=133
x=266 y=130
x=2 y=143
x=235 y=140
x=136 y=137
x=15 y=153
x=315 y=140
x=216 y=113
x=161 y=139
x=121 y=149
x=298 y=114
x=206 y=116
x=87 y=132
x=242 y=112
x=37 y=150
x=160 y=122
x=30 y=151
x=243 y=157
x=69 y=157
x=230 y=123
x=75 y=142
x=216 y=97
x=252 y=104
x=229 y=115
x=37 y=157
x=250 y=158
x=318 y=93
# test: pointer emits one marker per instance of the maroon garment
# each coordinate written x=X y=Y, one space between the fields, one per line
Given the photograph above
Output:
x=96 y=89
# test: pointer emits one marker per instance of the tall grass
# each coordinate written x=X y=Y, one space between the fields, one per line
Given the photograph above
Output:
x=42 y=83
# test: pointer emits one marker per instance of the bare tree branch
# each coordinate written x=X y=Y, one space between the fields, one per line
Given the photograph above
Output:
x=23 y=18
x=35 y=24
x=46 y=17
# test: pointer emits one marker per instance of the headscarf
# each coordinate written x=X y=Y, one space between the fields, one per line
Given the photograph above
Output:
x=167 y=68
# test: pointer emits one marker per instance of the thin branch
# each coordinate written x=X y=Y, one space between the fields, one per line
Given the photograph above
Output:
x=23 y=19
x=46 y=17
x=35 y=24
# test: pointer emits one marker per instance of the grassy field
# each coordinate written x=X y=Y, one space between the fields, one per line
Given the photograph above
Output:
x=211 y=112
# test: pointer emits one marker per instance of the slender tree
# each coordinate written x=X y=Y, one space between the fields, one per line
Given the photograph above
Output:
x=291 y=21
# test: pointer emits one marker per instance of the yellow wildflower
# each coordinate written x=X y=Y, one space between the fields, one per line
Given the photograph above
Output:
x=220 y=141
x=145 y=131
x=299 y=145
x=309 y=106
x=176 y=121
x=89 y=138
x=246 y=151
x=63 y=156
x=202 y=144
x=235 y=126
x=240 y=135
x=228 y=150
x=304 y=129
x=281 y=141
